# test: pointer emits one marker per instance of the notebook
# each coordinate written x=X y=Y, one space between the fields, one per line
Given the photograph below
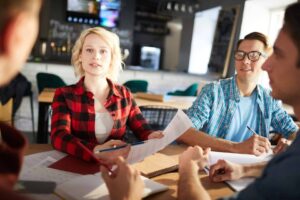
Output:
x=72 y=164
x=156 y=165
x=93 y=187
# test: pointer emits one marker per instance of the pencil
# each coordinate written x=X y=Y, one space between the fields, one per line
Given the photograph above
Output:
x=93 y=156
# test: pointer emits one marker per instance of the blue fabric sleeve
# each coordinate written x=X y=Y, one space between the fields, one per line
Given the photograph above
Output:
x=200 y=110
x=281 y=121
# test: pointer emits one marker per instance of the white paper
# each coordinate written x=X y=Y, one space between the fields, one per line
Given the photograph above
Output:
x=238 y=158
x=179 y=124
x=93 y=187
x=242 y=183
x=38 y=159
x=35 y=168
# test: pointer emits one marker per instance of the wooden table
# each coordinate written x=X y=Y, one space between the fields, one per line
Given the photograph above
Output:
x=46 y=96
x=215 y=190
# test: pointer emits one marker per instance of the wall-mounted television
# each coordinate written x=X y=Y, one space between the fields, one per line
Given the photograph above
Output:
x=94 y=12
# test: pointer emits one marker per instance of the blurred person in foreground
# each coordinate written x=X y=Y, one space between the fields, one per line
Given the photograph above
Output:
x=16 y=19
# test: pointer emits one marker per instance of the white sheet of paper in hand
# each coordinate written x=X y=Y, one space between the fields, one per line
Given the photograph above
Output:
x=179 y=124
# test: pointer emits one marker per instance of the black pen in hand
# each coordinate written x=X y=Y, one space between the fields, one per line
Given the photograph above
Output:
x=250 y=129
x=118 y=147
x=111 y=148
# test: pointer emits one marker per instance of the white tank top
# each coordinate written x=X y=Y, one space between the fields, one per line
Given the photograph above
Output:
x=103 y=125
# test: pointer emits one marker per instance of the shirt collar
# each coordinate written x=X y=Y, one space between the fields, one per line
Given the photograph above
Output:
x=234 y=90
x=114 y=90
x=235 y=93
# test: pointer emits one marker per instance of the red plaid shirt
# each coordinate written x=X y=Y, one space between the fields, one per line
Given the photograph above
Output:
x=73 y=118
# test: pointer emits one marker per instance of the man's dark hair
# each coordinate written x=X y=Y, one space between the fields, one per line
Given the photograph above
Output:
x=9 y=8
x=292 y=25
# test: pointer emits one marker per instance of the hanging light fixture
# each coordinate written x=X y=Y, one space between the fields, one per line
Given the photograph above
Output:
x=178 y=7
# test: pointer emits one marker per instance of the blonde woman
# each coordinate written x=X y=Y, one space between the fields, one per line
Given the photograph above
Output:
x=93 y=113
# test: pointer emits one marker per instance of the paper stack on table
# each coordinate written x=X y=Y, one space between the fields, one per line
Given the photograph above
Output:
x=240 y=184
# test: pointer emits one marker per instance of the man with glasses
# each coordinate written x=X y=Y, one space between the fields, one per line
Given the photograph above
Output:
x=237 y=114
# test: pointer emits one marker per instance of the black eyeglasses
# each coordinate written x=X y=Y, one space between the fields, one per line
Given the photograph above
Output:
x=252 y=55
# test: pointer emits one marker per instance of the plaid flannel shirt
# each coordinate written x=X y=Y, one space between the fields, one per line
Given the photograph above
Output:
x=73 y=118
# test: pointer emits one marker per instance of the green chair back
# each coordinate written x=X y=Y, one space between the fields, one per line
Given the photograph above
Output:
x=137 y=85
x=190 y=91
x=47 y=80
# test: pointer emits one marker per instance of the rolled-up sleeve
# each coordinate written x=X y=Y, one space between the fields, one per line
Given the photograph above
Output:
x=199 y=112
x=281 y=121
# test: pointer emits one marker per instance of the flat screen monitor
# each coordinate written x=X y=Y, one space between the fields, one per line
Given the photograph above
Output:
x=94 y=12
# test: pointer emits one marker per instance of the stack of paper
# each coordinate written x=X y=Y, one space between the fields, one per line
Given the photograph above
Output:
x=240 y=184
x=93 y=187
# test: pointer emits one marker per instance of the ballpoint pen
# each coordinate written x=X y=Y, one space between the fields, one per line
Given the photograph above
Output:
x=250 y=129
x=111 y=148
x=119 y=147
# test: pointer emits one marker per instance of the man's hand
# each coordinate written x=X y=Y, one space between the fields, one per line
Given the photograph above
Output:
x=124 y=183
x=256 y=145
x=224 y=170
x=282 y=145
x=194 y=157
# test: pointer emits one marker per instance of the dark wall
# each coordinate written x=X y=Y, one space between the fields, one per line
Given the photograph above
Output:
x=188 y=31
x=185 y=44
x=131 y=38
x=54 y=11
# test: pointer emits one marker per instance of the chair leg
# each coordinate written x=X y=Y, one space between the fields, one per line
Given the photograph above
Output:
x=32 y=115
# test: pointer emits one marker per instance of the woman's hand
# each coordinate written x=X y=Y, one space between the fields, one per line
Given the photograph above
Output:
x=109 y=157
x=156 y=135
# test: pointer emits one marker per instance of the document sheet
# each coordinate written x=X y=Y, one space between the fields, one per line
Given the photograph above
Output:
x=93 y=187
x=240 y=184
x=35 y=168
x=178 y=125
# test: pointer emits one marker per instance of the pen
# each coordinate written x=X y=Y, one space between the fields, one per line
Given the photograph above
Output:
x=119 y=147
x=137 y=143
x=250 y=129
x=112 y=148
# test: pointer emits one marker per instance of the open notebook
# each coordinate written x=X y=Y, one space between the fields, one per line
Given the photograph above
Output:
x=93 y=187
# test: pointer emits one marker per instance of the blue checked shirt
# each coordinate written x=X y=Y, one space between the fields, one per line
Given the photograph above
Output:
x=213 y=110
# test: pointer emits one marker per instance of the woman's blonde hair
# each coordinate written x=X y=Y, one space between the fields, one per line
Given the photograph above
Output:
x=113 y=42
